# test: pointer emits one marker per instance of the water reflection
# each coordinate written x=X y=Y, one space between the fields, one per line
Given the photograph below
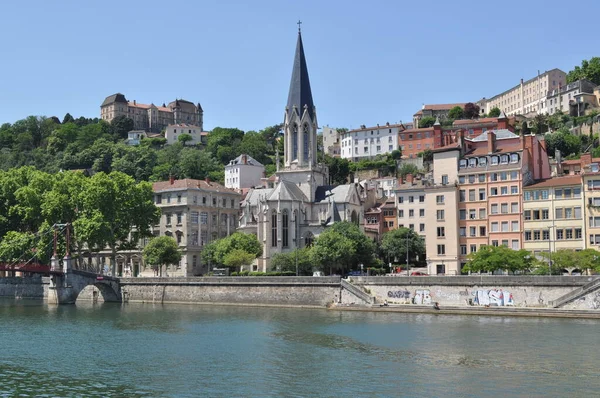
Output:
x=178 y=350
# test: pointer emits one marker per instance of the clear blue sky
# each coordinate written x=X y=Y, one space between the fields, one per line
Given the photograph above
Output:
x=369 y=62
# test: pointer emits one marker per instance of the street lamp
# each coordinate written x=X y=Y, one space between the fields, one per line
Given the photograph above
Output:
x=407 y=266
x=361 y=269
x=550 y=250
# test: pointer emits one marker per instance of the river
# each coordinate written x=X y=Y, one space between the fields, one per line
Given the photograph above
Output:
x=111 y=350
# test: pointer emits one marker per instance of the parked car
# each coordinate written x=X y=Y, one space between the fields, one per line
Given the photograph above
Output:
x=418 y=273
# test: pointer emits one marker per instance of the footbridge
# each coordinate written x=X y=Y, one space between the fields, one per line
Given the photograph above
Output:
x=66 y=283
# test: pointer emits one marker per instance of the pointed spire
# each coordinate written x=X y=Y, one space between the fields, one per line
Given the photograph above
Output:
x=502 y=115
x=277 y=156
x=437 y=121
x=300 y=94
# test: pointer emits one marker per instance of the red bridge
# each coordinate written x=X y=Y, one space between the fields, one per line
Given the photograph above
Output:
x=29 y=267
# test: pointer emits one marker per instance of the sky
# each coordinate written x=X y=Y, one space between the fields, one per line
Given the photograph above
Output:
x=369 y=62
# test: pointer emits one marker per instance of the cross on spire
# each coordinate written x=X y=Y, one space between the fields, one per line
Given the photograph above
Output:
x=299 y=23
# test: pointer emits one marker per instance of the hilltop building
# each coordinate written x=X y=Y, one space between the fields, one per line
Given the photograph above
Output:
x=301 y=204
x=244 y=172
x=152 y=118
x=439 y=111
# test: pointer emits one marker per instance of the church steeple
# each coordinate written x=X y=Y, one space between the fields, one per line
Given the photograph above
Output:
x=300 y=94
x=300 y=125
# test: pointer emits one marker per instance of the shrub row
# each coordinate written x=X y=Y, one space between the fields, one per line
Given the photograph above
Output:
x=256 y=273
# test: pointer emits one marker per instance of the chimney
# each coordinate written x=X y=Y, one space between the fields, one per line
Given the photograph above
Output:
x=491 y=141
x=409 y=178
x=133 y=102
x=460 y=138
x=400 y=180
x=207 y=180
x=244 y=159
x=586 y=160
x=171 y=179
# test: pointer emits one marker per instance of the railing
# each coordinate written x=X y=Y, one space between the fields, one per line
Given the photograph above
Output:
x=358 y=292
x=576 y=293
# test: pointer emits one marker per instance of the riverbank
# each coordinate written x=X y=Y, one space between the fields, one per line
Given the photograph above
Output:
x=476 y=311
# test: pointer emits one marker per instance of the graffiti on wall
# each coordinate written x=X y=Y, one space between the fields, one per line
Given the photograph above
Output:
x=494 y=297
x=421 y=296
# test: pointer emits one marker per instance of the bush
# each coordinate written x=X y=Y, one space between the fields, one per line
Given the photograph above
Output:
x=256 y=273
x=234 y=273
x=288 y=273
x=244 y=273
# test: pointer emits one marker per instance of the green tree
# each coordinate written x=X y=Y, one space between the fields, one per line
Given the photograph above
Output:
x=286 y=262
x=17 y=246
x=589 y=70
x=495 y=258
x=238 y=258
x=161 y=251
x=471 y=111
x=395 y=243
x=215 y=252
x=255 y=145
x=339 y=169
x=408 y=168
x=184 y=139
x=494 y=112
x=111 y=206
x=121 y=125
x=333 y=251
x=365 y=247
x=456 y=113
x=68 y=119
x=567 y=143
x=426 y=121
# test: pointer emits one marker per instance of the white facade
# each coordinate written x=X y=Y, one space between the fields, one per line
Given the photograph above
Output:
x=243 y=172
x=576 y=94
x=527 y=97
x=368 y=142
x=174 y=131
x=134 y=137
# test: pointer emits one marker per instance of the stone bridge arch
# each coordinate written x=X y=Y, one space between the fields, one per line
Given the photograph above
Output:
x=64 y=289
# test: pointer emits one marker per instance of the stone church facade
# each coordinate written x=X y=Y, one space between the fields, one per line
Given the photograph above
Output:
x=302 y=203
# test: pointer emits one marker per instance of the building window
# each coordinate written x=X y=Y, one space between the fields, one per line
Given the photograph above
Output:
x=421 y=212
x=441 y=250
x=463 y=250
x=194 y=217
x=179 y=218
x=441 y=232
x=439 y=199
x=445 y=179
x=274 y=229
x=514 y=225
x=482 y=230
x=462 y=214
x=421 y=227
x=285 y=228
x=168 y=217
x=440 y=214
x=473 y=248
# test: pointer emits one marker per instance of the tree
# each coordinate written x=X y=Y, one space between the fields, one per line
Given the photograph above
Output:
x=456 y=113
x=161 y=251
x=68 y=119
x=216 y=251
x=365 y=248
x=407 y=168
x=396 y=154
x=471 y=111
x=339 y=169
x=494 y=112
x=427 y=155
x=255 y=145
x=121 y=125
x=17 y=246
x=333 y=251
x=589 y=70
x=184 y=139
x=286 y=262
x=237 y=258
x=111 y=206
x=567 y=143
x=395 y=243
x=426 y=121
x=495 y=258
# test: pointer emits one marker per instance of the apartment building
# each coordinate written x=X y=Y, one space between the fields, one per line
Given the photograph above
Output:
x=591 y=200
x=410 y=203
x=573 y=99
x=244 y=172
x=553 y=212
x=441 y=215
x=331 y=141
x=149 y=117
x=195 y=213
x=527 y=97
x=174 y=131
x=439 y=111
x=368 y=142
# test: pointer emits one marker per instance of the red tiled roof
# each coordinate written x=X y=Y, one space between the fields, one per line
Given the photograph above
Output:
x=188 y=183
x=556 y=182
x=500 y=148
x=439 y=107
x=475 y=121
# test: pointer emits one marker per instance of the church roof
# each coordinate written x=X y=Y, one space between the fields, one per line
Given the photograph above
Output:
x=286 y=190
x=245 y=159
x=254 y=195
x=337 y=193
x=300 y=93
x=334 y=214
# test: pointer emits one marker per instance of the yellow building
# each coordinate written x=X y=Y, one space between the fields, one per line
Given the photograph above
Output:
x=591 y=194
x=553 y=212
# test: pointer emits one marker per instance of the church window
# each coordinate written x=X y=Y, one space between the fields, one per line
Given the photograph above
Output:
x=295 y=143
x=274 y=229
x=305 y=141
x=285 y=228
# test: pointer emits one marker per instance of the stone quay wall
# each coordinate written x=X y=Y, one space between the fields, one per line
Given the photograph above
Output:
x=523 y=291
x=283 y=291
x=24 y=287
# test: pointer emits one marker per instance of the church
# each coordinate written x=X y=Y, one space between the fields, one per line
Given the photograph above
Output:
x=301 y=204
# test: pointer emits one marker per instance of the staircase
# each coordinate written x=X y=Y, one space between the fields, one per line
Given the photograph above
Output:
x=358 y=292
x=577 y=293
